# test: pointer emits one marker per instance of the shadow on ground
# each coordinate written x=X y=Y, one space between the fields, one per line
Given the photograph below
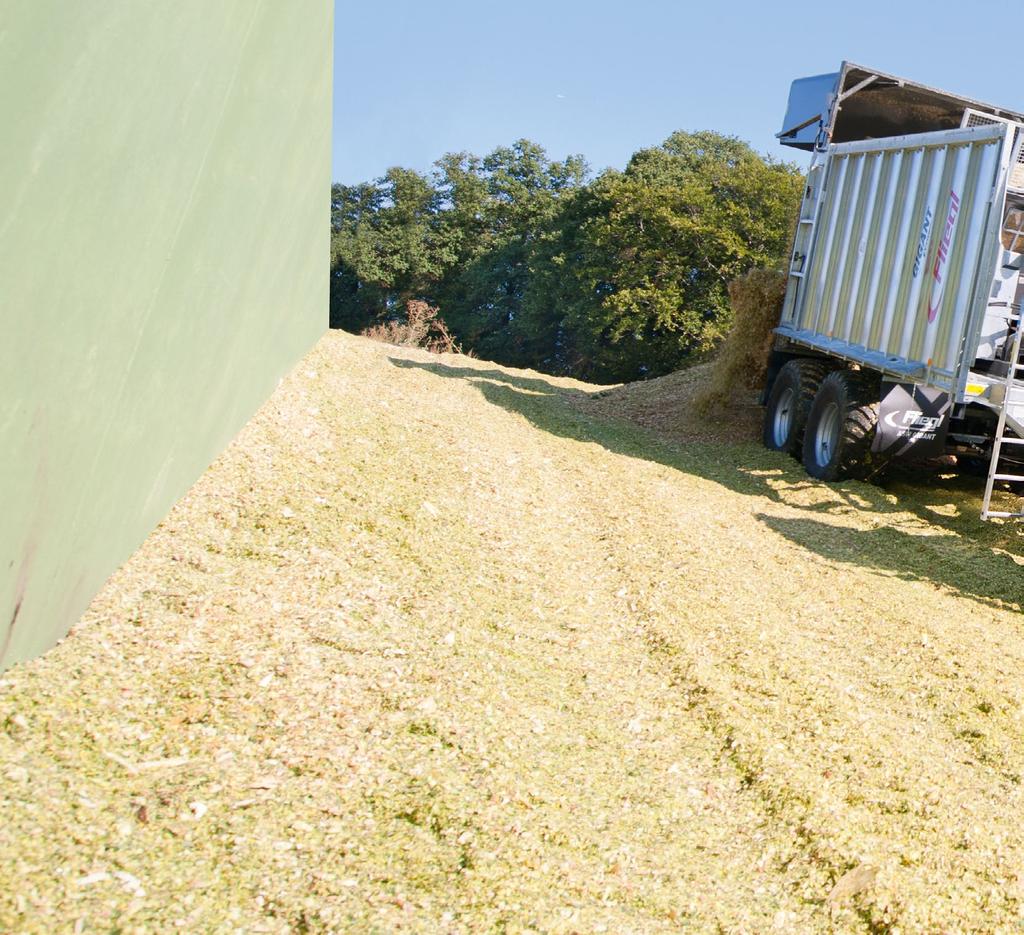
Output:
x=930 y=529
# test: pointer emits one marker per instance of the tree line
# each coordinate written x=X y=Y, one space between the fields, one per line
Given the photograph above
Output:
x=533 y=262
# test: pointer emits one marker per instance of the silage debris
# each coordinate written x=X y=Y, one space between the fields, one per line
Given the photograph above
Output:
x=611 y=685
x=742 y=361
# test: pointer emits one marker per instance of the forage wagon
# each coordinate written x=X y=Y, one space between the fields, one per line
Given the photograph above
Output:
x=900 y=331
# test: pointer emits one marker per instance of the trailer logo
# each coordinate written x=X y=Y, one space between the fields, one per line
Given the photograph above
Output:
x=913 y=424
x=913 y=421
x=942 y=255
x=922 y=242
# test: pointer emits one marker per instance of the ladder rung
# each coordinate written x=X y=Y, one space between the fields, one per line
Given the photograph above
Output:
x=806 y=220
x=1011 y=383
x=796 y=275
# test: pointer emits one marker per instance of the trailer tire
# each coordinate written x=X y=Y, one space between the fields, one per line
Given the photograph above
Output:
x=789 y=403
x=841 y=426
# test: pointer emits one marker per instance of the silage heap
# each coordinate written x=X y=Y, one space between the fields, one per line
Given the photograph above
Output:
x=438 y=646
x=755 y=299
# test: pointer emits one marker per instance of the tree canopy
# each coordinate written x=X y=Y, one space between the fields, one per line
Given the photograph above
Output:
x=534 y=263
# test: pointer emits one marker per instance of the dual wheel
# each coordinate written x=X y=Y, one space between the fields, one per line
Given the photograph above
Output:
x=824 y=417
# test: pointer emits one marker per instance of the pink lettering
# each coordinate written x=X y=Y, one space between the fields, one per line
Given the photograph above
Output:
x=942 y=254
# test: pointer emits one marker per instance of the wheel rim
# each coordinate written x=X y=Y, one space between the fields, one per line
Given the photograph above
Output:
x=783 y=420
x=826 y=435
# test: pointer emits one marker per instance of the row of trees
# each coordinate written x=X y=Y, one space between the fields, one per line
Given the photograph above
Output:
x=533 y=263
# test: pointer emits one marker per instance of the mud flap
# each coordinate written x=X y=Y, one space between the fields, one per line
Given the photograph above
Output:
x=912 y=422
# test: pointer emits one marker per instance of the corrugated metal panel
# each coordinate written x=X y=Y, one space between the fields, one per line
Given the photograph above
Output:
x=897 y=271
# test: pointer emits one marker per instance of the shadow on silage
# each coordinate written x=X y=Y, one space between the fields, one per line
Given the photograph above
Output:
x=975 y=559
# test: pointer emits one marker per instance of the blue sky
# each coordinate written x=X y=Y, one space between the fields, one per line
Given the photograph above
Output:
x=414 y=80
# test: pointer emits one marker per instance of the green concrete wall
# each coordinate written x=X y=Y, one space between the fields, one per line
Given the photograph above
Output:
x=164 y=239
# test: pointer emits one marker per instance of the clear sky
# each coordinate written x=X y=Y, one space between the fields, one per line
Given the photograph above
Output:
x=417 y=78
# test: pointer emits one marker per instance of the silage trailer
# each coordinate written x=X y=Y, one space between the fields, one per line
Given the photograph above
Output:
x=900 y=332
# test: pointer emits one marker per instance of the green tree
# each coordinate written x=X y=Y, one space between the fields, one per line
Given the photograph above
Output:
x=354 y=299
x=389 y=245
x=616 y=279
x=514 y=193
x=460 y=239
x=640 y=267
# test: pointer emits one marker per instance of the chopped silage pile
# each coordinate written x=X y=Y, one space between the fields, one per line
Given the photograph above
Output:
x=441 y=647
x=742 y=362
x=668 y=406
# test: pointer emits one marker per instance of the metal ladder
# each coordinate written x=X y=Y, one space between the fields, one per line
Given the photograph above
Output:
x=1000 y=438
x=810 y=208
x=806 y=224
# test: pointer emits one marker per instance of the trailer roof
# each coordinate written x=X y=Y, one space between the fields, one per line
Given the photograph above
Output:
x=859 y=103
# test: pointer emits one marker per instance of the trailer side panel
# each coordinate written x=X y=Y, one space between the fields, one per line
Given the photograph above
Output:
x=898 y=267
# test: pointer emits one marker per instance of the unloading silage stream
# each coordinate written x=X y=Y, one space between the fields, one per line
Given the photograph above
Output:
x=742 y=361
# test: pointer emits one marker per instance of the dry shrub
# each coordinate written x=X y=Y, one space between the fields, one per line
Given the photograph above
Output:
x=756 y=300
x=423 y=327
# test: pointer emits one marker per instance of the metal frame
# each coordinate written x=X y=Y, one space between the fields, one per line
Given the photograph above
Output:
x=982 y=287
x=830 y=114
x=1000 y=439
